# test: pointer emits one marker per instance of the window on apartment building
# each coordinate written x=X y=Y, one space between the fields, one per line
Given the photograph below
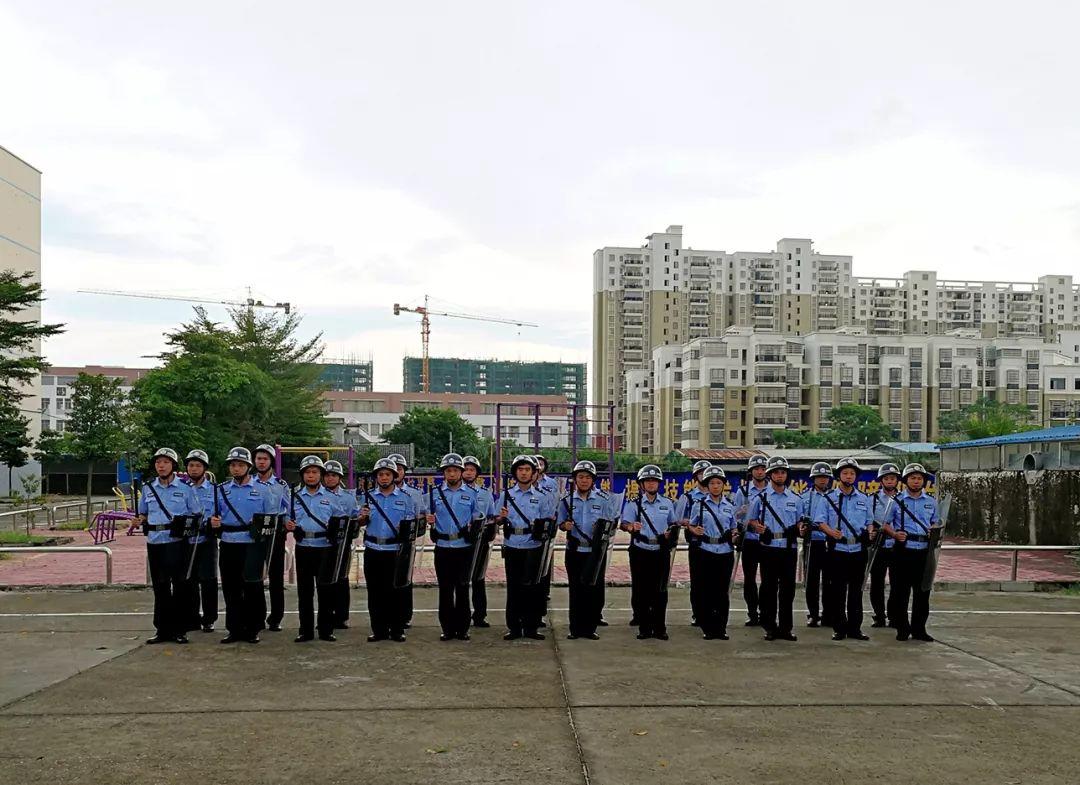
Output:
x=667 y=246
x=61 y=392
x=46 y=425
x=45 y=404
x=1057 y=383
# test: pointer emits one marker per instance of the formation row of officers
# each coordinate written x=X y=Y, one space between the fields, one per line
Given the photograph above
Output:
x=197 y=528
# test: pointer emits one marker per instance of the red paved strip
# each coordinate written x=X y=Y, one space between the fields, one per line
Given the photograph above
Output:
x=129 y=566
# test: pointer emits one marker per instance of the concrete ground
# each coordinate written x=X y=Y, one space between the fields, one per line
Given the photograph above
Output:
x=996 y=700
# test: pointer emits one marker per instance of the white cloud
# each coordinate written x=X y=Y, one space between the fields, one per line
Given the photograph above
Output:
x=482 y=158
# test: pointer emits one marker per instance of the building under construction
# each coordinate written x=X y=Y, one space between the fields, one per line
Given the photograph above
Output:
x=347 y=374
x=497 y=377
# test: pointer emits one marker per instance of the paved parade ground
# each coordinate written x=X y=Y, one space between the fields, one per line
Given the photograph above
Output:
x=995 y=700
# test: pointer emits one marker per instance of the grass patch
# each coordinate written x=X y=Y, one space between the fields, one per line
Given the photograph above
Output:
x=19 y=538
x=71 y=526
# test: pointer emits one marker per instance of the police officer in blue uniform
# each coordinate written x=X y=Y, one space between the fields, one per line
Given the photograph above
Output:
x=453 y=510
x=164 y=498
x=264 y=456
x=817 y=562
x=889 y=478
x=753 y=484
x=714 y=532
x=846 y=520
x=549 y=486
x=485 y=504
x=577 y=515
x=202 y=588
x=519 y=507
x=310 y=509
x=346 y=505
x=909 y=524
x=420 y=506
x=543 y=481
x=774 y=517
x=237 y=501
x=683 y=510
x=385 y=513
x=653 y=530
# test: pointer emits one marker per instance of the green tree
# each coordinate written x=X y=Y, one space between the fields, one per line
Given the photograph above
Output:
x=99 y=423
x=19 y=364
x=244 y=382
x=429 y=430
x=14 y=440
x=985 y=417
x=850 y=426
x=50 y=448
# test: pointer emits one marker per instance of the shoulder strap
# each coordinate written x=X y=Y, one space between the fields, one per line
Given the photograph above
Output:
x=905 y=511
x=164 y=509
x=645 y=515
x=232 y=509
x=712 y=512
x=840 y=512
x=449 y=509
x=371 y=500
x=517 y=509
x=299 y=497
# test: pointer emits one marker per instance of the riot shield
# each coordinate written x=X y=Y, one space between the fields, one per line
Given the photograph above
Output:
x=877 y=544
x=337 y=532
x=669 y=545
x=474 y=535
x=264 y=531
x=405 y=559
x=483 y=556
x=538 y=560
x=603 y=534
x=937 y=536
x=188 y=526
x=737 y=550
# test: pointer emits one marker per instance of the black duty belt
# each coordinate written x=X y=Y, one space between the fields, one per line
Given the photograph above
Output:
x=158 y=527
x=516 y=530
x=440 y=537
x=380 y=540
x=234 y=527
x=918 y=538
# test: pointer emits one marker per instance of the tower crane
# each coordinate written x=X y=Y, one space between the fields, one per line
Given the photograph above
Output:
x=425 y=331
x=250 y=302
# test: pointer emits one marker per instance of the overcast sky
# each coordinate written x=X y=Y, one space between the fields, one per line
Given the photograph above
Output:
x=346 y=156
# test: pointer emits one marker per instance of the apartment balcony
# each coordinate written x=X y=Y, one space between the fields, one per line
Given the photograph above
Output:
x=829 y=266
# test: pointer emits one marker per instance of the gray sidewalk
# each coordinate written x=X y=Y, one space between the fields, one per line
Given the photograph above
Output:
x=996 y=700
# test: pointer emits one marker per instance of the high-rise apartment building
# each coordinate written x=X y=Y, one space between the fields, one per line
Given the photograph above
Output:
x=739 y=388
x=663 y=293
x=497 y=377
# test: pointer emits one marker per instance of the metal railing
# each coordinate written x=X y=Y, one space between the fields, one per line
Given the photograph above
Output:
x=28 y=549
x=26 y=514
x=62 y=513
x=1014 y=549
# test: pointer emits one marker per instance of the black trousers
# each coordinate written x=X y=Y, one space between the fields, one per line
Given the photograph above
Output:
x=777 y=588
x=694 y=561
x=648 y=590
x=877 y=581
x=200 y=594
x=817 y=573
x=909 y=565
x=713 y=579
x=275 y=579
x=451 y=564
x=524 y=600
x=751 y=558
x=309 y=563
x=245 y=603
x=896 y=568
x=388 y=608
x=166 y=578
x=847 y=571
x=479 y=587
x=586 y=601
